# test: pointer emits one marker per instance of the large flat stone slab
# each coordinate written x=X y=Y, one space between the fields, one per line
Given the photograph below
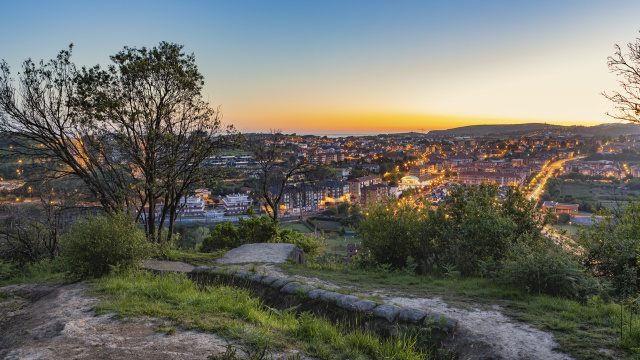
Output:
x=261 y=253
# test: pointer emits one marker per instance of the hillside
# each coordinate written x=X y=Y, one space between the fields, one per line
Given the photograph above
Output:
x=536 y=129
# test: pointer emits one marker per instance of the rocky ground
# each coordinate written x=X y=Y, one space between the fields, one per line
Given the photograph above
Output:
x=482 y=333
x=57 y=321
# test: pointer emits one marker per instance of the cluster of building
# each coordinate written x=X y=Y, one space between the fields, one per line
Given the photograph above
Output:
x=428 y=162
x=604 y=168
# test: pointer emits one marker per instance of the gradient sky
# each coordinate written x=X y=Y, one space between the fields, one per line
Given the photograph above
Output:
x=357 y=66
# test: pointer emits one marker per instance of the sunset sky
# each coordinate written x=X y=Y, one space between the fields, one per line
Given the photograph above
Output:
x=357 y=66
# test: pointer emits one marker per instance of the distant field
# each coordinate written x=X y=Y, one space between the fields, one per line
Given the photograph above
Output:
x=296 y=226
x=609 y=195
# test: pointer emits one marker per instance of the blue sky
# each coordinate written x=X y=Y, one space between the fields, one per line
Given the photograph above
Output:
x=357 y=66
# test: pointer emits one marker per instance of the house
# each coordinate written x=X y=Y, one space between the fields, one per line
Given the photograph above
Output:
x=557 y=207
x=236 y=204
x=372 y=167
x=481 y=177
x=336 y=191
x=378 y=192
x=192 y=206
x=296 y=199
x=355 y=185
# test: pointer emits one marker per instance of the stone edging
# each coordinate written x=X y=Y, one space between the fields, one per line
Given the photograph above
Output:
x=283 y=291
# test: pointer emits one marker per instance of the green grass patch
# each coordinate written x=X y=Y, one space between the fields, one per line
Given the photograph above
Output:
x=193 y=258
x=234 y=313
x=43 y=271
x=581 y=329
x=296 y=226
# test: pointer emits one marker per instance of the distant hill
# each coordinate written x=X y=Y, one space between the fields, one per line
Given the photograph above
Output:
x=536 y=129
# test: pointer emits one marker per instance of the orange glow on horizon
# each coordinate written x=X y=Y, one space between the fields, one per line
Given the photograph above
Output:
x=379 y=123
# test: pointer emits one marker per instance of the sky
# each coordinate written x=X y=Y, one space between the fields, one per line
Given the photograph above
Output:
x=357 y=67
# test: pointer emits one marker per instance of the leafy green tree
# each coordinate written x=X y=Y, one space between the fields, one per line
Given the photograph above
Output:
x=343 y=208
x=223 y=236
x=134 y=134
x=473 y=228
x=611 y=248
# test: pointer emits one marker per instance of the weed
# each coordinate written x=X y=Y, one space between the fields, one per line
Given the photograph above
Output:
x=234 y=313
x=167 y=330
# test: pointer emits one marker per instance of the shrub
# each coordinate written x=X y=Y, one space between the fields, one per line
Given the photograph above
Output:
x=93 y=246
x=612 y=249
x=310 y=245
x=223 y=236
x=471 y=231
x=546 y=268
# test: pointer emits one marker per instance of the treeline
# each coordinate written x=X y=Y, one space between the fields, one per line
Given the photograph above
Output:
x=476 y=234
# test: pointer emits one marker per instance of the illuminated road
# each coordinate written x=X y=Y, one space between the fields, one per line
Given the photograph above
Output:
x=541 y=178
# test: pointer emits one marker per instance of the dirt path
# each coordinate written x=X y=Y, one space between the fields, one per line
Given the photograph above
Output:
x=56 y=322
x=481 y=334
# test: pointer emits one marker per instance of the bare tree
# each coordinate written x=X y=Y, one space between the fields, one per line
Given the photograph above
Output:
x=627 y=68
x=37 y=118
x=31 y=232
x=275 y=170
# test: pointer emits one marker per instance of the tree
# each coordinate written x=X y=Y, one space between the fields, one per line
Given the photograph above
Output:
x=275 y=171
x=137 y=134
x=627 y=68
x=37 y=119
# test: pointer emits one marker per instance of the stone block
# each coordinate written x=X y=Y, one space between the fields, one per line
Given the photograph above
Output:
x=364 y=305
x=386 y=311
x=411 y=316
x=201 y=270
x=346 y=302
x=268 y=280
x=290 y=288
x=315 y=294
x=279 y=283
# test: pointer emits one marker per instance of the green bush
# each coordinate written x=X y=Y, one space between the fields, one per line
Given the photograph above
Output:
x=612 y=246
x=93 y=246
x=223 y=236
x=310 y=245
x=473 y=229
x=544 y=268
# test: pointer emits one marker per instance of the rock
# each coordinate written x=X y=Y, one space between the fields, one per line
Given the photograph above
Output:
x=386 y=311
x=315 y=294
x=268 y=280
x=280 y=283
x=201 y=270
x=263 y=252
x=411 y=316
x=290 y=288
x=256 y=277
x=330 y=296
x=364 y=305
x=242 y=274
x=346 y=302
x=440 y=321
x=306 y=288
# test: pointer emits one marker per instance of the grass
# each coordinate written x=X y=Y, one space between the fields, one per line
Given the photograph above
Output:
x=193 y=258
x=234 y=313
x=296 y=226
x=43 y=271
x=581 y=329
